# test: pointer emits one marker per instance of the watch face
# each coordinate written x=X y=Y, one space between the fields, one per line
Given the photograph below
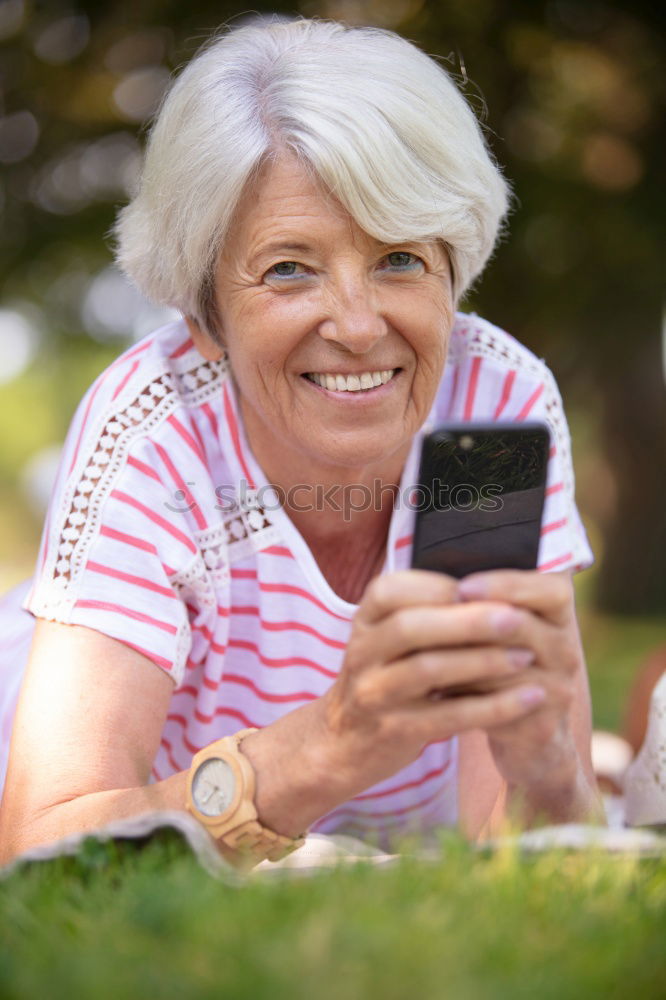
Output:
x=213 y=787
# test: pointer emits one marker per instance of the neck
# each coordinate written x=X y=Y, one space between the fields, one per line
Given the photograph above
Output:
x=332 y=505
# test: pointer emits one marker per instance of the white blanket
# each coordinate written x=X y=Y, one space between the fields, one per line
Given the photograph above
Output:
x=321 y=852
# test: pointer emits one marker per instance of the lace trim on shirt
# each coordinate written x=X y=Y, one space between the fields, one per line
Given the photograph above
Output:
x=478 y=339
x=85 y=497
x=242 y=533
x=99 y=473
x=196 y=382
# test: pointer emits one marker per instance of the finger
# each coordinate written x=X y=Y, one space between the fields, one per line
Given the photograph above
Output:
x=558 y=687
x=412 y=629
x=484 y=686
x=556 y=648
x=547 y=594
x=418 y=675
x=404 y=588
x=459 y=715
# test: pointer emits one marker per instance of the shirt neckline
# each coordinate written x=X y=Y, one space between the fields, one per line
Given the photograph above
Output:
x=401 y=517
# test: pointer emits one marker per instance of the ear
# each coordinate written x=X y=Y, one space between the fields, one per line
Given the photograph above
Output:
x=203 y=342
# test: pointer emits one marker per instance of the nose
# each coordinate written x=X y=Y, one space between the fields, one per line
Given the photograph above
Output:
x=353 y=318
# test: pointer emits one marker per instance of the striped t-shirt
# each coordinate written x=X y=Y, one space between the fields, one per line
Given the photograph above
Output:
x=160 y=533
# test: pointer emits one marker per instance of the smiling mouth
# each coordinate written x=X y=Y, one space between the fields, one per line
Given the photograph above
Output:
x=363 y=382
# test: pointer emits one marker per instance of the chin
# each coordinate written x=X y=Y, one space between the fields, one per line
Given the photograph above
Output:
x=356 y=452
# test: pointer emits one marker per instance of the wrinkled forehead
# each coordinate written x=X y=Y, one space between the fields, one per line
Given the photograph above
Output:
x=285 y=198
x=283 y=189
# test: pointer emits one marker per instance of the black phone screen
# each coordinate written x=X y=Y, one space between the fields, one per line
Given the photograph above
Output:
x=480 y=497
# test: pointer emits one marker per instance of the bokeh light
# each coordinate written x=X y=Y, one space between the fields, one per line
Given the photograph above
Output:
x=610 y=162
x=532 y=136
x=138 y=93
x=113 y=309
x=141 y=48
x=87 y=172
x=38 y=476
x=19 y=340
x=19 y=133
x=62 y=40
x=12 y=13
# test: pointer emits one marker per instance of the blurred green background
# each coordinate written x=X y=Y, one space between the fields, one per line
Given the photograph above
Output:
x=572 y=100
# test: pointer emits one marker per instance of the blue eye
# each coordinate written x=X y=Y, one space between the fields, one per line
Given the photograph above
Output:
x=398 y=260
x=285 y=269
x=402 y=259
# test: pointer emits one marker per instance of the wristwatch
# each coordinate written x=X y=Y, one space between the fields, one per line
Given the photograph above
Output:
x=220 y=794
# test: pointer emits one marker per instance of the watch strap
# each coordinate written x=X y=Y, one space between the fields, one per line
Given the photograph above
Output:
x=257 y=839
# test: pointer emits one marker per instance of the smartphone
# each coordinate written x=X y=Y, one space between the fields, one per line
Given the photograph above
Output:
x=480 y=496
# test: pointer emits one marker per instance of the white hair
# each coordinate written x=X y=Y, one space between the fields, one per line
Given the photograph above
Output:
x=380 y=123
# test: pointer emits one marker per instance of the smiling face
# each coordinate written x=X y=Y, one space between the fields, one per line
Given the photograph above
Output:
x=301 y=290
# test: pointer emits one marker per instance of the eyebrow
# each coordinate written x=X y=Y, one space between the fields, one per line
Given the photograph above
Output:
x=288 y=246
x=279 y=246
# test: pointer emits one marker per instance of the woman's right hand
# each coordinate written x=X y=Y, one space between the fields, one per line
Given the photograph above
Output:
x=411 y=640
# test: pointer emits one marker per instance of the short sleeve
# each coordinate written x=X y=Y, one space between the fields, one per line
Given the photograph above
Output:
x=564 y=543
x=114 y=545
x=496 y=378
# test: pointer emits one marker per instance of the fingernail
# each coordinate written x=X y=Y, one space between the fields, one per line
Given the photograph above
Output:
x=473 y=587
x=530 y=696
x=505 y=621
x=520 y=658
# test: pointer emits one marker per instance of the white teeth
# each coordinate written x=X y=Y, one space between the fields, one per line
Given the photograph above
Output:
x=352 y=383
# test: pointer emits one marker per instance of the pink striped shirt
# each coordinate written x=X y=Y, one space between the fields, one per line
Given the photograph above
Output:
x=148 y=540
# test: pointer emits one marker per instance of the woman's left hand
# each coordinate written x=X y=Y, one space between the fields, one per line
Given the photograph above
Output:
x=539 y=750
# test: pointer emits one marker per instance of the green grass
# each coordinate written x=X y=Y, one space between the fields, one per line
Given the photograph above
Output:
x=124 y=921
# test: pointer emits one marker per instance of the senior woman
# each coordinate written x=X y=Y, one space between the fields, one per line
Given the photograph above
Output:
x=315 y=201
